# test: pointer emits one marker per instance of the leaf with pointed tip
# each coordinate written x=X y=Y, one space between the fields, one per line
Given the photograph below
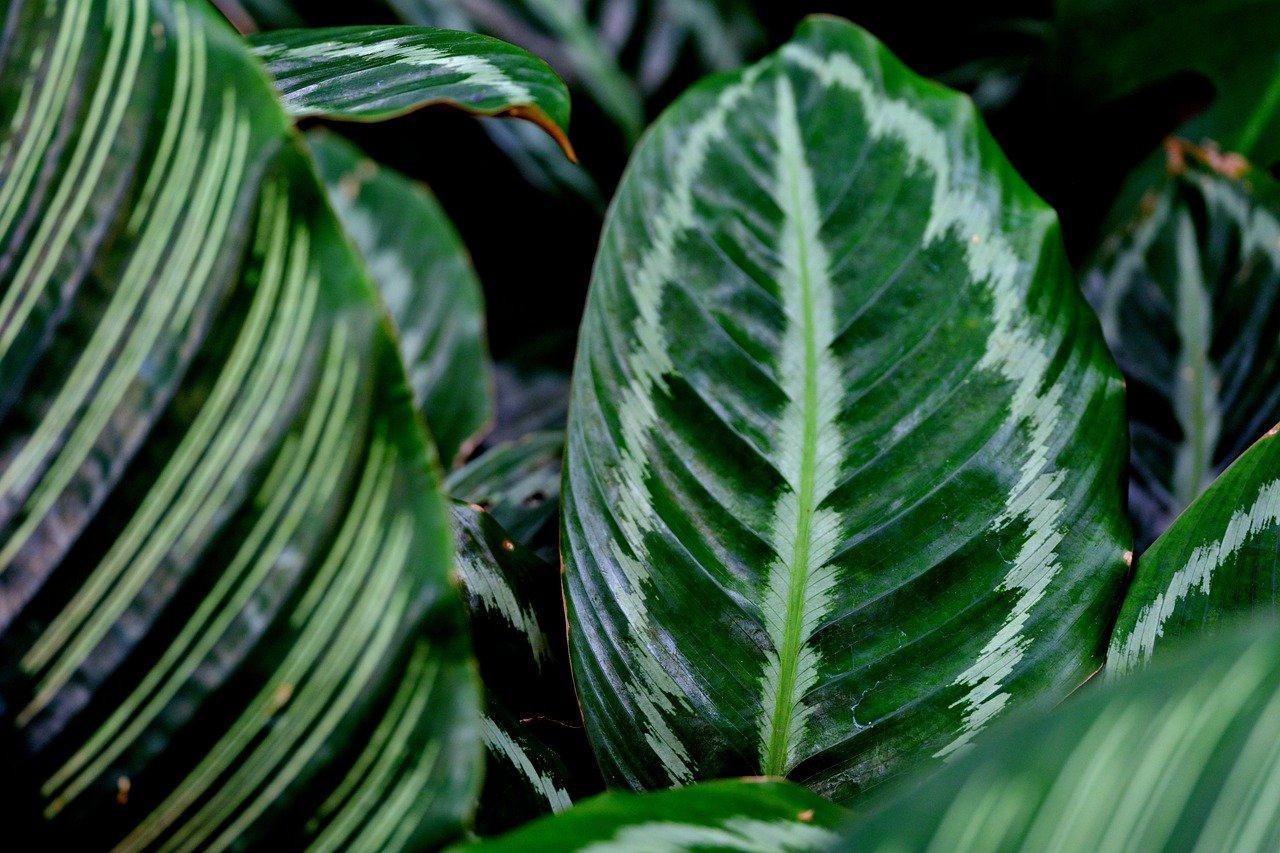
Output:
x=1218 y=559
x=227 y=615
x=1183 y=757
x=845 y=447
x=1189 y=296
x=518 y=482
x=730 y=814
x=376 y=73
x=422 y=270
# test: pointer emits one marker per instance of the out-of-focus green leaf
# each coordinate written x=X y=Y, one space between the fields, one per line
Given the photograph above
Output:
x=227 y=613
x=422 y=270
x=1184 y=757
x=1109 y=48
x=843 y=474
x=1220 y=558
x=1188 y=291
x=375 y=73
x=737 y=814
x=518 y=482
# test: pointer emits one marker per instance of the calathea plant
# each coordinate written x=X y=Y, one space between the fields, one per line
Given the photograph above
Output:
x=842 y=482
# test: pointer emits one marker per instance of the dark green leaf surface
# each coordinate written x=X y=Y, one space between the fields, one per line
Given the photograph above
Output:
x=533 y=728
x=1106 y=49
x=424 y=275
x=1188 y=292
x=518 y=482
x=1220 y=558
x=375 y=73
x=227 y=615
x=845 y=449
x=1184 y=757
x=738 y=814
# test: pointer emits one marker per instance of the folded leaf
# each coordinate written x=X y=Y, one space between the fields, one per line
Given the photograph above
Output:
x=845 y=446
x=424 y=275
x=1184 y=757
x=1188 y=291
x=226 y=604
x=376 y=73
x=1218 y=560
x=738 y=814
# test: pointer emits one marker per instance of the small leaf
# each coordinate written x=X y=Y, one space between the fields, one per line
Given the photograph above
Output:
x=745 y=814
x=845 y=447
x=424 y=275
x=1217 y=560
x=1183 y=757
x=518 y=482
x=1188 y=291
x=376 y=73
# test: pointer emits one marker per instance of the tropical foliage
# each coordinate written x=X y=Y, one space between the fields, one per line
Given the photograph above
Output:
x=880 y=429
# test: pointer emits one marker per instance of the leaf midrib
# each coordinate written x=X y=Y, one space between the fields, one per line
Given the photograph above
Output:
x=789 y=654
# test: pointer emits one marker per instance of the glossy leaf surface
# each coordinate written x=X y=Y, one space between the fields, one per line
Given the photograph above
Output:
x=845 y=447
x=518 y=482
x=1219 y=559
x=1184 y=757
x=227 y=614
x=375 y=73
x=738 y=814
x=424 y=275
x=1188 y=292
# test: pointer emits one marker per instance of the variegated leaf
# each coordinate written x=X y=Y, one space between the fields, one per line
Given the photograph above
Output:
x=1189 y=296
x=226 y=605
x=375 y=73
x=737 y=814
x=845 y=448
x=1184 y=757
x=538 y=753
x=518 y=482
x=424 y=275
x=1219 y=559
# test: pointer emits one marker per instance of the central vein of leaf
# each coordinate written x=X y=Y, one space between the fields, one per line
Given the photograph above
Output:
x=793 y=639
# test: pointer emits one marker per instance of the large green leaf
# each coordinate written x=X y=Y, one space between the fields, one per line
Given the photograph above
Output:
x=425 y=278
x=1218 y=559
x=375 y=73
x=1189 y=296
x=845 y=445
x=1184 y=757
x=737 y=814
x=226 y=607
x=1106 y=49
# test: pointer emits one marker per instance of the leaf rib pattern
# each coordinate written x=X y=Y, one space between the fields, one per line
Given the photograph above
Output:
x=826 y=513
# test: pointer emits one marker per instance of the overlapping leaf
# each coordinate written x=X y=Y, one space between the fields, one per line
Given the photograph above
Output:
x=425 y=278
x=226 y=610
x=373 y=73
x=746 y=814
x=845 y=449
x=1189 y=296
x=1219 y=559
x=518 y=482
x=1184 y=757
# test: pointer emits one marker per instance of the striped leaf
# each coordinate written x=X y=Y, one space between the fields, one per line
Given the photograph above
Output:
x=424 y=275
x=1189 y=296
x=1217 y=560
x=737 y=814
x=376 y=73
x=226 y=607
x=1183 y=757
x=518 y=482
x=845 y=446
x=538 y=753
